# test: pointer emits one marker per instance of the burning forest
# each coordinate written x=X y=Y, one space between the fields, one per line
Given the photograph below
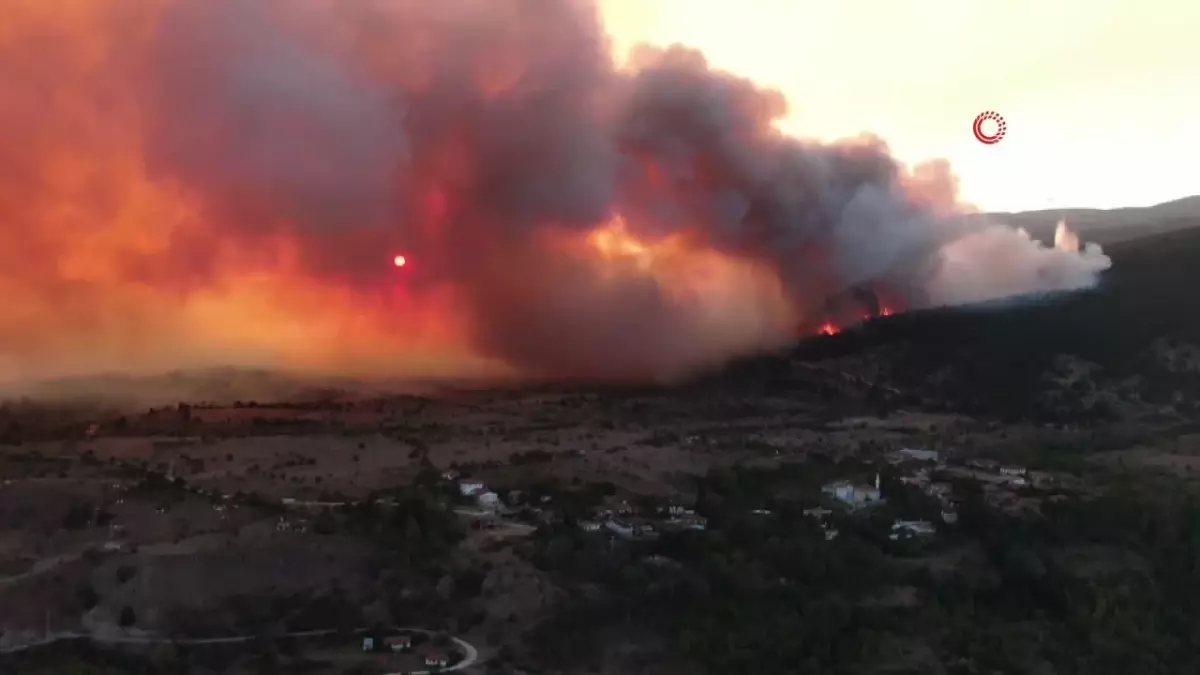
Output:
x=440 y=188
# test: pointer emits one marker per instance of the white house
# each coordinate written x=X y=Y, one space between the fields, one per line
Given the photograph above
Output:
x=913 y=455
x=470 y=488
x=854 y=496
x=436 y=660
x=398 y=643
x=690 y=522
x=368 y=644
x=620 y=529
x=488 y=500
x=906 y=529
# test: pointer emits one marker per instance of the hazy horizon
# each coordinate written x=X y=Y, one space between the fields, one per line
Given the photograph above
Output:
x=1098 y=97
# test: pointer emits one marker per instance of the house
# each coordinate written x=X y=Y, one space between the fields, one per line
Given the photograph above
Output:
x=854 y=496
x=761 y=512
x=397 y=643
x=908 y=529
x=676 y=510
x=589 y=526
x=939 y=490
x=436 y=660
x=620 y=529
x=450 y=475
x=470 y=488
x=913 y=455
x=949 y=516
x=488 y=500
x=627 y=531
x=817 y=512
x=690 y=522
x=368 y=644
x=1014 y=474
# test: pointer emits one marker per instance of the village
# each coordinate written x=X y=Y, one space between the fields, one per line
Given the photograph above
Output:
x=943 y=481
x=150 y=516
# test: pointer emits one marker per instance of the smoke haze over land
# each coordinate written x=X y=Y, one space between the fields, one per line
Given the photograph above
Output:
x=189 y=183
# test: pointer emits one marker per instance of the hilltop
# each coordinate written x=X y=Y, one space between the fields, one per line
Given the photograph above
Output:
x=1130 y=344
x=1107 y=226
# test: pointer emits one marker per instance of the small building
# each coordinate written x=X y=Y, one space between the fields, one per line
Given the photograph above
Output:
x=488 y=500
x=908 y=529
x=854 y=496
x=437 y=660
x=397 y=643
x=470 y=488
x=939 y=490
x=589 y=526
x=620 y=529
x=1015 y=475
x=368 y=644
x=691 y=522
x=949 y=516
x=913 y=455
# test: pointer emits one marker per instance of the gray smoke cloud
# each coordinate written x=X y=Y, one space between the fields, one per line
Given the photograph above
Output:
x=478 y=136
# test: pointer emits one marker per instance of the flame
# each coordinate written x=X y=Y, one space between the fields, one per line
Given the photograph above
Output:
x=1064 y=238
x=828 y=328
x=399 y=261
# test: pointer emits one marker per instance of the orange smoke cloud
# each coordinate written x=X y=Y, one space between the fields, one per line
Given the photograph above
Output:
x=213 y=182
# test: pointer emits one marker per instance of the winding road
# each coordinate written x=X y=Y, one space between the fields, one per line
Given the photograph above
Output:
x=471 y=654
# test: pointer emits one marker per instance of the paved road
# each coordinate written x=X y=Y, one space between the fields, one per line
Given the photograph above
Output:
x=40 y=567
x=471 y=653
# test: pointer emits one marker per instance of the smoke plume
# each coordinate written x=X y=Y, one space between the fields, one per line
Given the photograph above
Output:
x=213 y=182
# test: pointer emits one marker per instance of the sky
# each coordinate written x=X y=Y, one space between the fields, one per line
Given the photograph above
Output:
x=1101 y=97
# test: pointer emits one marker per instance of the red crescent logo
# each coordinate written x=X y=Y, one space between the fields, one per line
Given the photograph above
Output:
x=977 y=128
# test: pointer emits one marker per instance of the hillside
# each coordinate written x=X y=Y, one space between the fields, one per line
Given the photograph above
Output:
x=1129 y=344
